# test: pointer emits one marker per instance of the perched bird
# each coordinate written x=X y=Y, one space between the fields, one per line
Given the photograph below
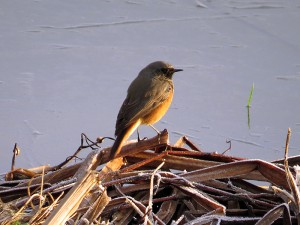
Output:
x=149 y=97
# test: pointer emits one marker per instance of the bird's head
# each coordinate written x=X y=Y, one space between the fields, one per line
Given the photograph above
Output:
x=160 y=68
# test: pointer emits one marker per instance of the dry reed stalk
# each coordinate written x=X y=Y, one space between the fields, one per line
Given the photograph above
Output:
x=153 y=182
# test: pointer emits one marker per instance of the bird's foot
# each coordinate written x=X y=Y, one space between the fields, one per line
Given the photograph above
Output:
x=138 y=136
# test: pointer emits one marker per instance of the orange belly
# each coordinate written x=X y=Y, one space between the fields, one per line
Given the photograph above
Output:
x=157 y=113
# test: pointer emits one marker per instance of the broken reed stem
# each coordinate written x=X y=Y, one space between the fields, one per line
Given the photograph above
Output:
x=96 y=208
x=16 y=215
x=287 y=142
x=290 y=177
x=143 y=162
x=71 y=201
x=133 y=148
x=150 y=204
x=69 y=204
x=42 y=187
x=135 y=205
x=134 y=195
x=87 y=179
x=15 y=153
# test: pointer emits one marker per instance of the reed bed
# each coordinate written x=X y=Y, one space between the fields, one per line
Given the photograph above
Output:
x=152 y=182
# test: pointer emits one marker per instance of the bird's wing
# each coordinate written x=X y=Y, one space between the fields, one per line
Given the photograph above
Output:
x=141 y=100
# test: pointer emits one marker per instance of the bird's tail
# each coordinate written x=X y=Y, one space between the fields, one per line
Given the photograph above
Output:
x=121 y=138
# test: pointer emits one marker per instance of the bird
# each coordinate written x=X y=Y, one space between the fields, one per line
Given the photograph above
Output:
x=149 y=97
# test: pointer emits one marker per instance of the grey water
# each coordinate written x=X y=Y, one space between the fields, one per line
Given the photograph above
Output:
x=65 y=67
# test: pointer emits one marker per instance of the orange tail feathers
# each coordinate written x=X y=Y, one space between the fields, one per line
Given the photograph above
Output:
x=121 y=138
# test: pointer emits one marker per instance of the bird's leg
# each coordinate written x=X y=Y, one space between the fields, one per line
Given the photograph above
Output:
x=157 y=131
x=138 y=134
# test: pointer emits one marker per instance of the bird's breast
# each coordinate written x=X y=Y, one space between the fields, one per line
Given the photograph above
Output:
x=160 y=110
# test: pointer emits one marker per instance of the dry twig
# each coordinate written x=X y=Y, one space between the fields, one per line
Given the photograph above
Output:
x=193 y=187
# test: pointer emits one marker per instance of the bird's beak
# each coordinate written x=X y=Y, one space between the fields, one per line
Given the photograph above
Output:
x=177 y=70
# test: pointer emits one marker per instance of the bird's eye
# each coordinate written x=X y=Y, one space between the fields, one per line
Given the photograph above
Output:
x=164 y=70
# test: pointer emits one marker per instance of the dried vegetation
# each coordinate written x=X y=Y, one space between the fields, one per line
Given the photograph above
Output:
x=152 y=182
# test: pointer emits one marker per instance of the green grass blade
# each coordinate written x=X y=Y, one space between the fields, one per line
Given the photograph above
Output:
x=250 y=96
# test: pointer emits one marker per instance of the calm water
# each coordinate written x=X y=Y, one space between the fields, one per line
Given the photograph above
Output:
x=65 y=68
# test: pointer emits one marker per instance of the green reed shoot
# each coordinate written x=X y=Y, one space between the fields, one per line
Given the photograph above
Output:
x=250 y=96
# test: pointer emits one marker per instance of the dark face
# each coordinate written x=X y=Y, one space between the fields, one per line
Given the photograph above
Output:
x=160 y=68
x=169 y=71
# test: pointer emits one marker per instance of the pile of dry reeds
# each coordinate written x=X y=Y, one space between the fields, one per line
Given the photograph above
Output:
x=155 y=183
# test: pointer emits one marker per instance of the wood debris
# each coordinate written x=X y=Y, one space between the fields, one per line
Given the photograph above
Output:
x=152 y=182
